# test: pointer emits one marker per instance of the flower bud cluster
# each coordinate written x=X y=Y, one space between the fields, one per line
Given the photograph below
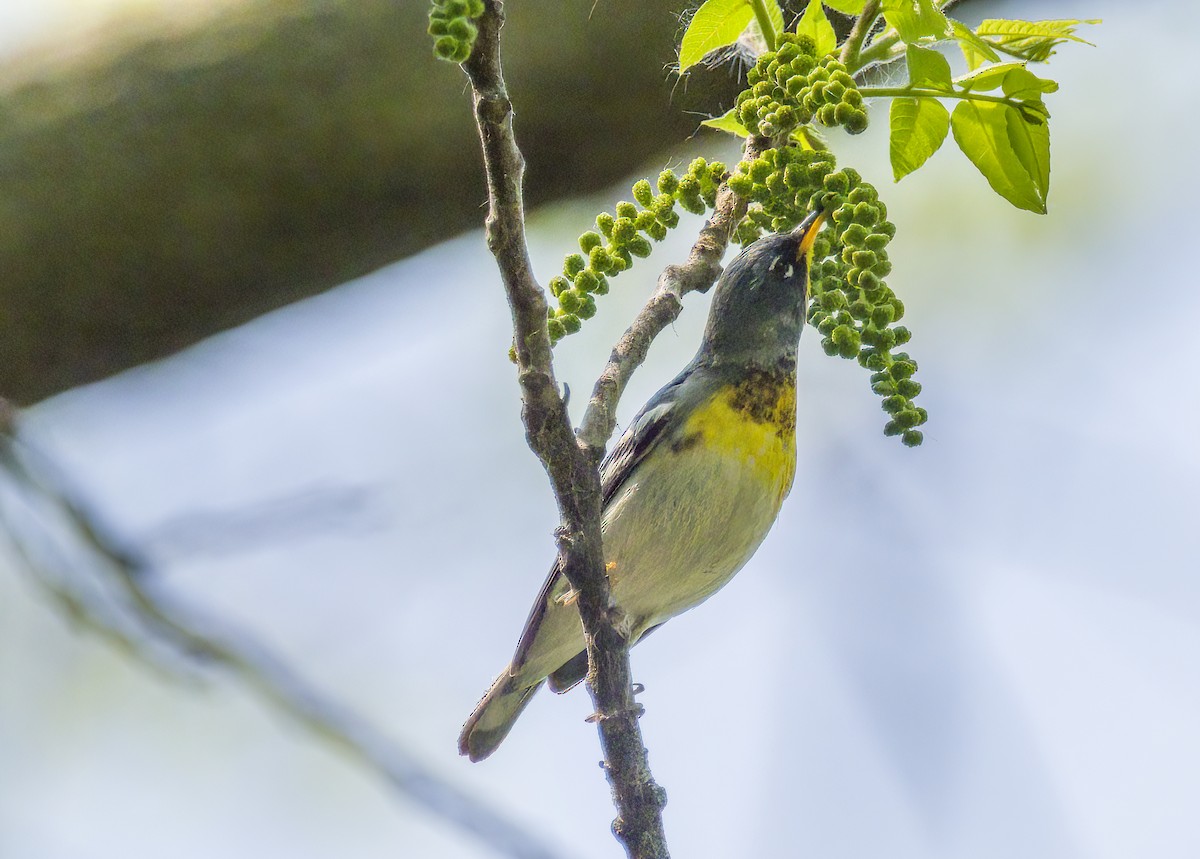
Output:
x=791 y=86
x=780 y=185
x=452 y=25
x=619 y=237
x=850 y=304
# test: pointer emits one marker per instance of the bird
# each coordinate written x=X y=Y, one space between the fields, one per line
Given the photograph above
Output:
x=692 y=486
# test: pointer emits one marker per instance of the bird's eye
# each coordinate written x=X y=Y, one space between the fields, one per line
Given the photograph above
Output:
x=782 y=261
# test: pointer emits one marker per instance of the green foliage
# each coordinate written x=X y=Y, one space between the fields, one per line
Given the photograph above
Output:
x=804 y=79
x=1005 y=135
x=729 y=122
x=928 y=68
x=1012 y=153
x=918 y=128
x=452 y=25
x=916 y=20
x=716 y=24
x=816 y=26
x=1033 y=41
x=975 y=50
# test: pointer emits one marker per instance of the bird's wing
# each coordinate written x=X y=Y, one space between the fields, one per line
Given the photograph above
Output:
x=643 y=433
x=529 y=633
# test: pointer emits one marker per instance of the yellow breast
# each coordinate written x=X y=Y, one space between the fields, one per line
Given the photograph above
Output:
x=753 y=422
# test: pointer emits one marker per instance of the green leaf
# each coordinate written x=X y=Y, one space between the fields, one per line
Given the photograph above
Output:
x=989 y=78
x=928 y=68
x=1015 y=159
x=847 y=7
x=1023 y=84
x=1018 y=83
x=808 y=137
x=1034 y=41
x=776 y=15
x=728 y=122
x=919 y=127
x=916 y=19
x=975 y=50
x=716 y=24
x=1034 y=112
x=814 y=23
x=1031 y=143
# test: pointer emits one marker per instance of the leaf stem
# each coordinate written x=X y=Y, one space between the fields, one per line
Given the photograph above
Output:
x=765 y=23
x=858 y=35
x=919 y=92
x=879 y=51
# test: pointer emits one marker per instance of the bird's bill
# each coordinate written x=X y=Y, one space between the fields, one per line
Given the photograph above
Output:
x=807 y=231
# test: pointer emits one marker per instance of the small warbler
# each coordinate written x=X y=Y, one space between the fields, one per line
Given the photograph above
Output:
x=692 y=487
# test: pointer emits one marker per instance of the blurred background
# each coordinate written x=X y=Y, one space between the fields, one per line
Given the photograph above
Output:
x=247 y=355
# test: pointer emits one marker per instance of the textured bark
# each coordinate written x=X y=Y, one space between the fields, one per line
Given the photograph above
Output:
x=159 y=188
x=571 y=465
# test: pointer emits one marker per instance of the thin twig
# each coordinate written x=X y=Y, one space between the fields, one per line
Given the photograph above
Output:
x=882 y=50
x=237 y=653
x=572 y=467
x=911 y=91
x=697 y=274
x=765 y=25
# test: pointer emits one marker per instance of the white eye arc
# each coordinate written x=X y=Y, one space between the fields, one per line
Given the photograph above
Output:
x=788 y=272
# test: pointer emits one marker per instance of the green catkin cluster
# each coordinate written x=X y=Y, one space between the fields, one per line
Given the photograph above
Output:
x=779 y=185
x=452 y=25
x=625 y=234
x=851 y=305
x=790 y=87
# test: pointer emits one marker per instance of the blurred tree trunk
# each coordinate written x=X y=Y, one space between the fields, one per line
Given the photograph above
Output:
x=156 y=189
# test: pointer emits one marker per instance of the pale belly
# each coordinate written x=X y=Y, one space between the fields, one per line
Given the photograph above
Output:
x=683 y=525
x=672 y=539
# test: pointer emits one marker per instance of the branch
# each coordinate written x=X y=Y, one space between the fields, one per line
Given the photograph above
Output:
x=697 y=274
x=124 y=610
x=181 y=179
x=858 y=34
x=570 y=465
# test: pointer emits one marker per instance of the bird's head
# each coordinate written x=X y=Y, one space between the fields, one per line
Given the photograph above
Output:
x=759 y=304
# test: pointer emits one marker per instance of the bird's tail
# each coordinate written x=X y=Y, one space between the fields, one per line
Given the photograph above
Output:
x=494 y=716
